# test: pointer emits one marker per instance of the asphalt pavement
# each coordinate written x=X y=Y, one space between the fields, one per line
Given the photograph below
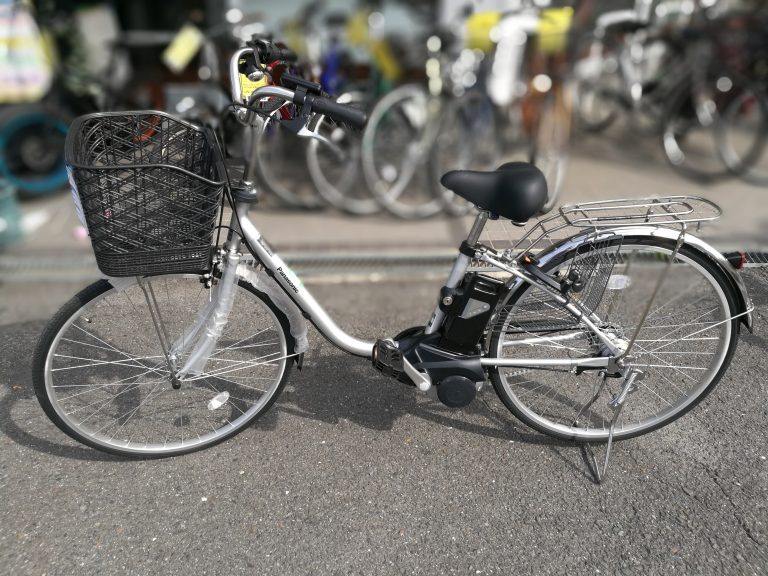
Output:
x=354 y=473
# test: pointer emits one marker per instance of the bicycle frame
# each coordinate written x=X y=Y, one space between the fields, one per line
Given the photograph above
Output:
x=243 y=228
x=295 y=289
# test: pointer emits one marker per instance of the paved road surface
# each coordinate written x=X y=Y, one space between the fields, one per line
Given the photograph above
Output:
x=352 y=473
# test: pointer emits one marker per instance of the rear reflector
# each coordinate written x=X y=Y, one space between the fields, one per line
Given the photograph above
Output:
x=736 y=259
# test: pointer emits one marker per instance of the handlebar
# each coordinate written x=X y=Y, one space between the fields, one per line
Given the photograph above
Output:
x=270 y=52
x=308 y=101
x=341 y=113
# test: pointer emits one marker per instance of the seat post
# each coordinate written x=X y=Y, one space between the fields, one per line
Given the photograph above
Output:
x=464 y=259
x=477 y=228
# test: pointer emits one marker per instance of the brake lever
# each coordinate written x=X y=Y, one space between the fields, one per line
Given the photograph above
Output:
x=307 y=133
x=299 y=124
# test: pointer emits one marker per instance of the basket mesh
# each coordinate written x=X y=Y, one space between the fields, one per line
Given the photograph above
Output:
x=537 y=311
x=148 y=187
x=594 y=264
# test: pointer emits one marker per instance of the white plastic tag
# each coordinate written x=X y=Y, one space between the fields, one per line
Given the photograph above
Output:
x=619 y=282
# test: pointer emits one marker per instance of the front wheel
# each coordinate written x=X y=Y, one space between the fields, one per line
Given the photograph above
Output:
x=102 y=376
x=683 y=348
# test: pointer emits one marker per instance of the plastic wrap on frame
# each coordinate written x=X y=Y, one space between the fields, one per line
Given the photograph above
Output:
x=263 y=283
x=210 y=322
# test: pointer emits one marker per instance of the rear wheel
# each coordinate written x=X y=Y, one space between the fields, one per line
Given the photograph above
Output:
x=683 y=348
x=102 y=377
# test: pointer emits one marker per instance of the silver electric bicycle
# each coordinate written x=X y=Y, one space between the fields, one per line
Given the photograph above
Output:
x=604 y=321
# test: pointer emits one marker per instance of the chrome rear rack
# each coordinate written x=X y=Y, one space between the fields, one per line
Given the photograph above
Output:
x=677 y=212
x=661 y=211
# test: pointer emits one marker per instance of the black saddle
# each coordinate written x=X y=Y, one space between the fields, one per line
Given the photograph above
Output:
x=516 y=190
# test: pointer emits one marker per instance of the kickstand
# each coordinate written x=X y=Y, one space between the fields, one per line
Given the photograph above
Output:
x=599 y=474
x=616 y=403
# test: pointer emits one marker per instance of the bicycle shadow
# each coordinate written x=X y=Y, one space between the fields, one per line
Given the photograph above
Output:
x=332 y=388
x=18 y=340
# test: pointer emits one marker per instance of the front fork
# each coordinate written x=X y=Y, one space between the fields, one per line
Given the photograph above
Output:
x=162 y=333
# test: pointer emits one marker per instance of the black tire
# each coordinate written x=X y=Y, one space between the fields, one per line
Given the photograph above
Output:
x=32 y=149
x=573 y=433
x=61 y=322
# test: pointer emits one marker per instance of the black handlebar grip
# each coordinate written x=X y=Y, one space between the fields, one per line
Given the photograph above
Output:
x=343 y=113
x=272 y=52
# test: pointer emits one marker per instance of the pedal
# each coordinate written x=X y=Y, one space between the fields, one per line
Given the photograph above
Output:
x=388 y=359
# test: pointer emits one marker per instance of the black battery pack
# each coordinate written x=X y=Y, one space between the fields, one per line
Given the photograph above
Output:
x=467 y=316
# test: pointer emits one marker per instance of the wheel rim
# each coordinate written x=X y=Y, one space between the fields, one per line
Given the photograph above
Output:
x=107 y=379
x=276 y=156
x=394 y=166
x=678 y=366
x=339 y=179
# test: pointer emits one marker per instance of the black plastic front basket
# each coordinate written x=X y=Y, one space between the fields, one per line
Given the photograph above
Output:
x=149 y=186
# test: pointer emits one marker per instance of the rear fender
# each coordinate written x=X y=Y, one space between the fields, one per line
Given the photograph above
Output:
x=743 y=301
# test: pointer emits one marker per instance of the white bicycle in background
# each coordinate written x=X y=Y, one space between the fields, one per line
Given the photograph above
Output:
x=606 y=321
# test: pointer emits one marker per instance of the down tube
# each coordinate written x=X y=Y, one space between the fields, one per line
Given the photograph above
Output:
x=299 y=293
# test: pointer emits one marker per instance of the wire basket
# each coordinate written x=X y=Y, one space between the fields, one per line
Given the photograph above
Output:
x=593 y=263
x=148 y=186
x=538 y=311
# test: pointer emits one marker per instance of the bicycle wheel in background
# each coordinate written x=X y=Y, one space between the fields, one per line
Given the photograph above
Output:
x=694 y=125
x=743 y=136
x=336 y=169
x=683 y=348
x=551 y=139
x=276 y=160
x=468 y=139
x=396 y=144
x=101 y=375
x=599 y=84
x=32 y=149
